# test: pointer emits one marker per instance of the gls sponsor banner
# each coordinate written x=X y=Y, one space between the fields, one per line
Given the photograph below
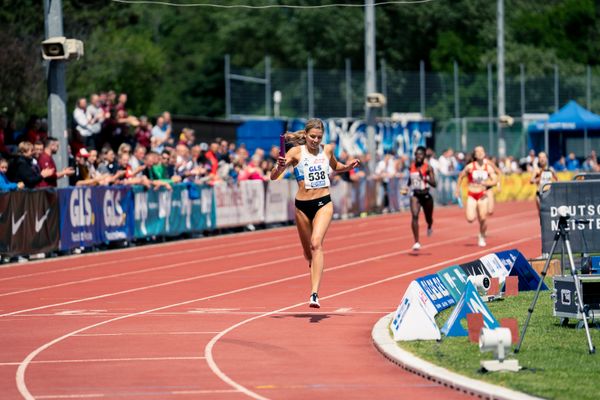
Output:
x=583 y=204
x=436 y=291
x=78 y=226
x=32 y=222
x=114 y=209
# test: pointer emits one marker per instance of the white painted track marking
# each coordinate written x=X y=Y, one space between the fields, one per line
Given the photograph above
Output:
x=20 y=375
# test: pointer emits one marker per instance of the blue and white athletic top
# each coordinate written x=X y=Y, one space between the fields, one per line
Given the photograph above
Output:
x=313 y=170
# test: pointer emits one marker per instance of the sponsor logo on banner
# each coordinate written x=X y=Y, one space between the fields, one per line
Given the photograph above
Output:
x=17 y=224
x=29 y=222
x=455 y=280
x=141 y=211
x=470 y=302
x=186 y=209
x=39 y=222
x=113 y=213
x=436 y=291
x=164 y=207
x=496 y=267
x=116 y=205
x=80 y=208
x=475 y=268
x=77 y=227
x=390 y=136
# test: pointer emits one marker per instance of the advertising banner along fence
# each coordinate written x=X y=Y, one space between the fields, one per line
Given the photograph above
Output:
x=28 y=222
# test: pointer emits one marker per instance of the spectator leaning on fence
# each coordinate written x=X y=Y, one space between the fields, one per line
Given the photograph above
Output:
x=46 y=161
x=21 y=168
x=5 y=184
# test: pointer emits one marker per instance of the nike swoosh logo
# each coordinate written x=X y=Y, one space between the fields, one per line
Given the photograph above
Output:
x=40 y=222
x=17 y=224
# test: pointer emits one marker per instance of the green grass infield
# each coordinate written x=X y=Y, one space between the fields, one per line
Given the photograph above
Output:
x=555 y=360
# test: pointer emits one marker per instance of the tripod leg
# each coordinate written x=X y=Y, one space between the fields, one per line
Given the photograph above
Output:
x=537 y=292
x=580 y=306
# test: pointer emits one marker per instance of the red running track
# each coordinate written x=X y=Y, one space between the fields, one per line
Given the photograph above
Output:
x=227 y=317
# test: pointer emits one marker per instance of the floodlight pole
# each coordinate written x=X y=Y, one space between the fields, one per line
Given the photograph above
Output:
x=370 y=78
x=57 y=93
x=501 y=97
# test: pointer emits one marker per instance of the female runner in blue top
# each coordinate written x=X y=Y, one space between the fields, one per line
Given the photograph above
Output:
x=312 y=163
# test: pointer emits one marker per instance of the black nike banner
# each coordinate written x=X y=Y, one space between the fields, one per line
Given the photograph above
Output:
x=29 y=222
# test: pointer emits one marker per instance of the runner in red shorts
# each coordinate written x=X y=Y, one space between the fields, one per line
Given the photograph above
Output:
x=480 y=175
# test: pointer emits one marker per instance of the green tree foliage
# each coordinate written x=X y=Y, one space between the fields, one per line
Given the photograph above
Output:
x=171 y=58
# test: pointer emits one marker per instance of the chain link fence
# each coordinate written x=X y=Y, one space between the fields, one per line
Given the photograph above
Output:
x=463 y=105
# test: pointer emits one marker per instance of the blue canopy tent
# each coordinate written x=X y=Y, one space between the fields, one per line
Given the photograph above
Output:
x=572 y=122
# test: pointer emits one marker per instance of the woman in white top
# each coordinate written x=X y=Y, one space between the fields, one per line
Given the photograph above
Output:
x=312 y=163
x=542 y=175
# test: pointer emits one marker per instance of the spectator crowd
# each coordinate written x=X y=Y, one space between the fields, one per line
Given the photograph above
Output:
x=108 y=145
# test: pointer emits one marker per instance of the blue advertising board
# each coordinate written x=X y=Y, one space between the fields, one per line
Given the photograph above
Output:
x=78 y=227
x=113 y=207
x=437 y=292
x=518 y=265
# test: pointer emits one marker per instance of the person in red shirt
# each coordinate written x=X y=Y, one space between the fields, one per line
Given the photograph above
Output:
x=211 y=156
x=46 y=161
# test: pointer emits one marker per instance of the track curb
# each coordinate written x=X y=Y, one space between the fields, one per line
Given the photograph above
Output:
x=386 y=345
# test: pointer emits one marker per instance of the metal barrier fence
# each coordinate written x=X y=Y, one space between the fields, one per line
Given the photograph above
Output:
x=44 y=221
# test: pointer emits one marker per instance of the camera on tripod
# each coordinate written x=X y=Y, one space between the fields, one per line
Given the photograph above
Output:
x=571 y=296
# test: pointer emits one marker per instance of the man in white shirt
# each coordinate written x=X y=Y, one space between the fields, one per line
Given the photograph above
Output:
x=82 y=122
x=95 y=116
x=159 y=136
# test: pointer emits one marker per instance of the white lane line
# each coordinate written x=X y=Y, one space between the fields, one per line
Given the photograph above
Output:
x=20 y=375
x=144 y=334
x=126 y=394
x=49 y=262
x=253 y=266
x=208 y=350
x=103 y=360
x=199 y=260
x=235 y=236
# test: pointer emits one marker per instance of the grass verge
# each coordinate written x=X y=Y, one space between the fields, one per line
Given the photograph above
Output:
x=555 y=359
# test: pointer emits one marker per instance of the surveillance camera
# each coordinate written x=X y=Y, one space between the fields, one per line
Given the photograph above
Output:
x=376 y=100
x=61 y=48
x=481 y=282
